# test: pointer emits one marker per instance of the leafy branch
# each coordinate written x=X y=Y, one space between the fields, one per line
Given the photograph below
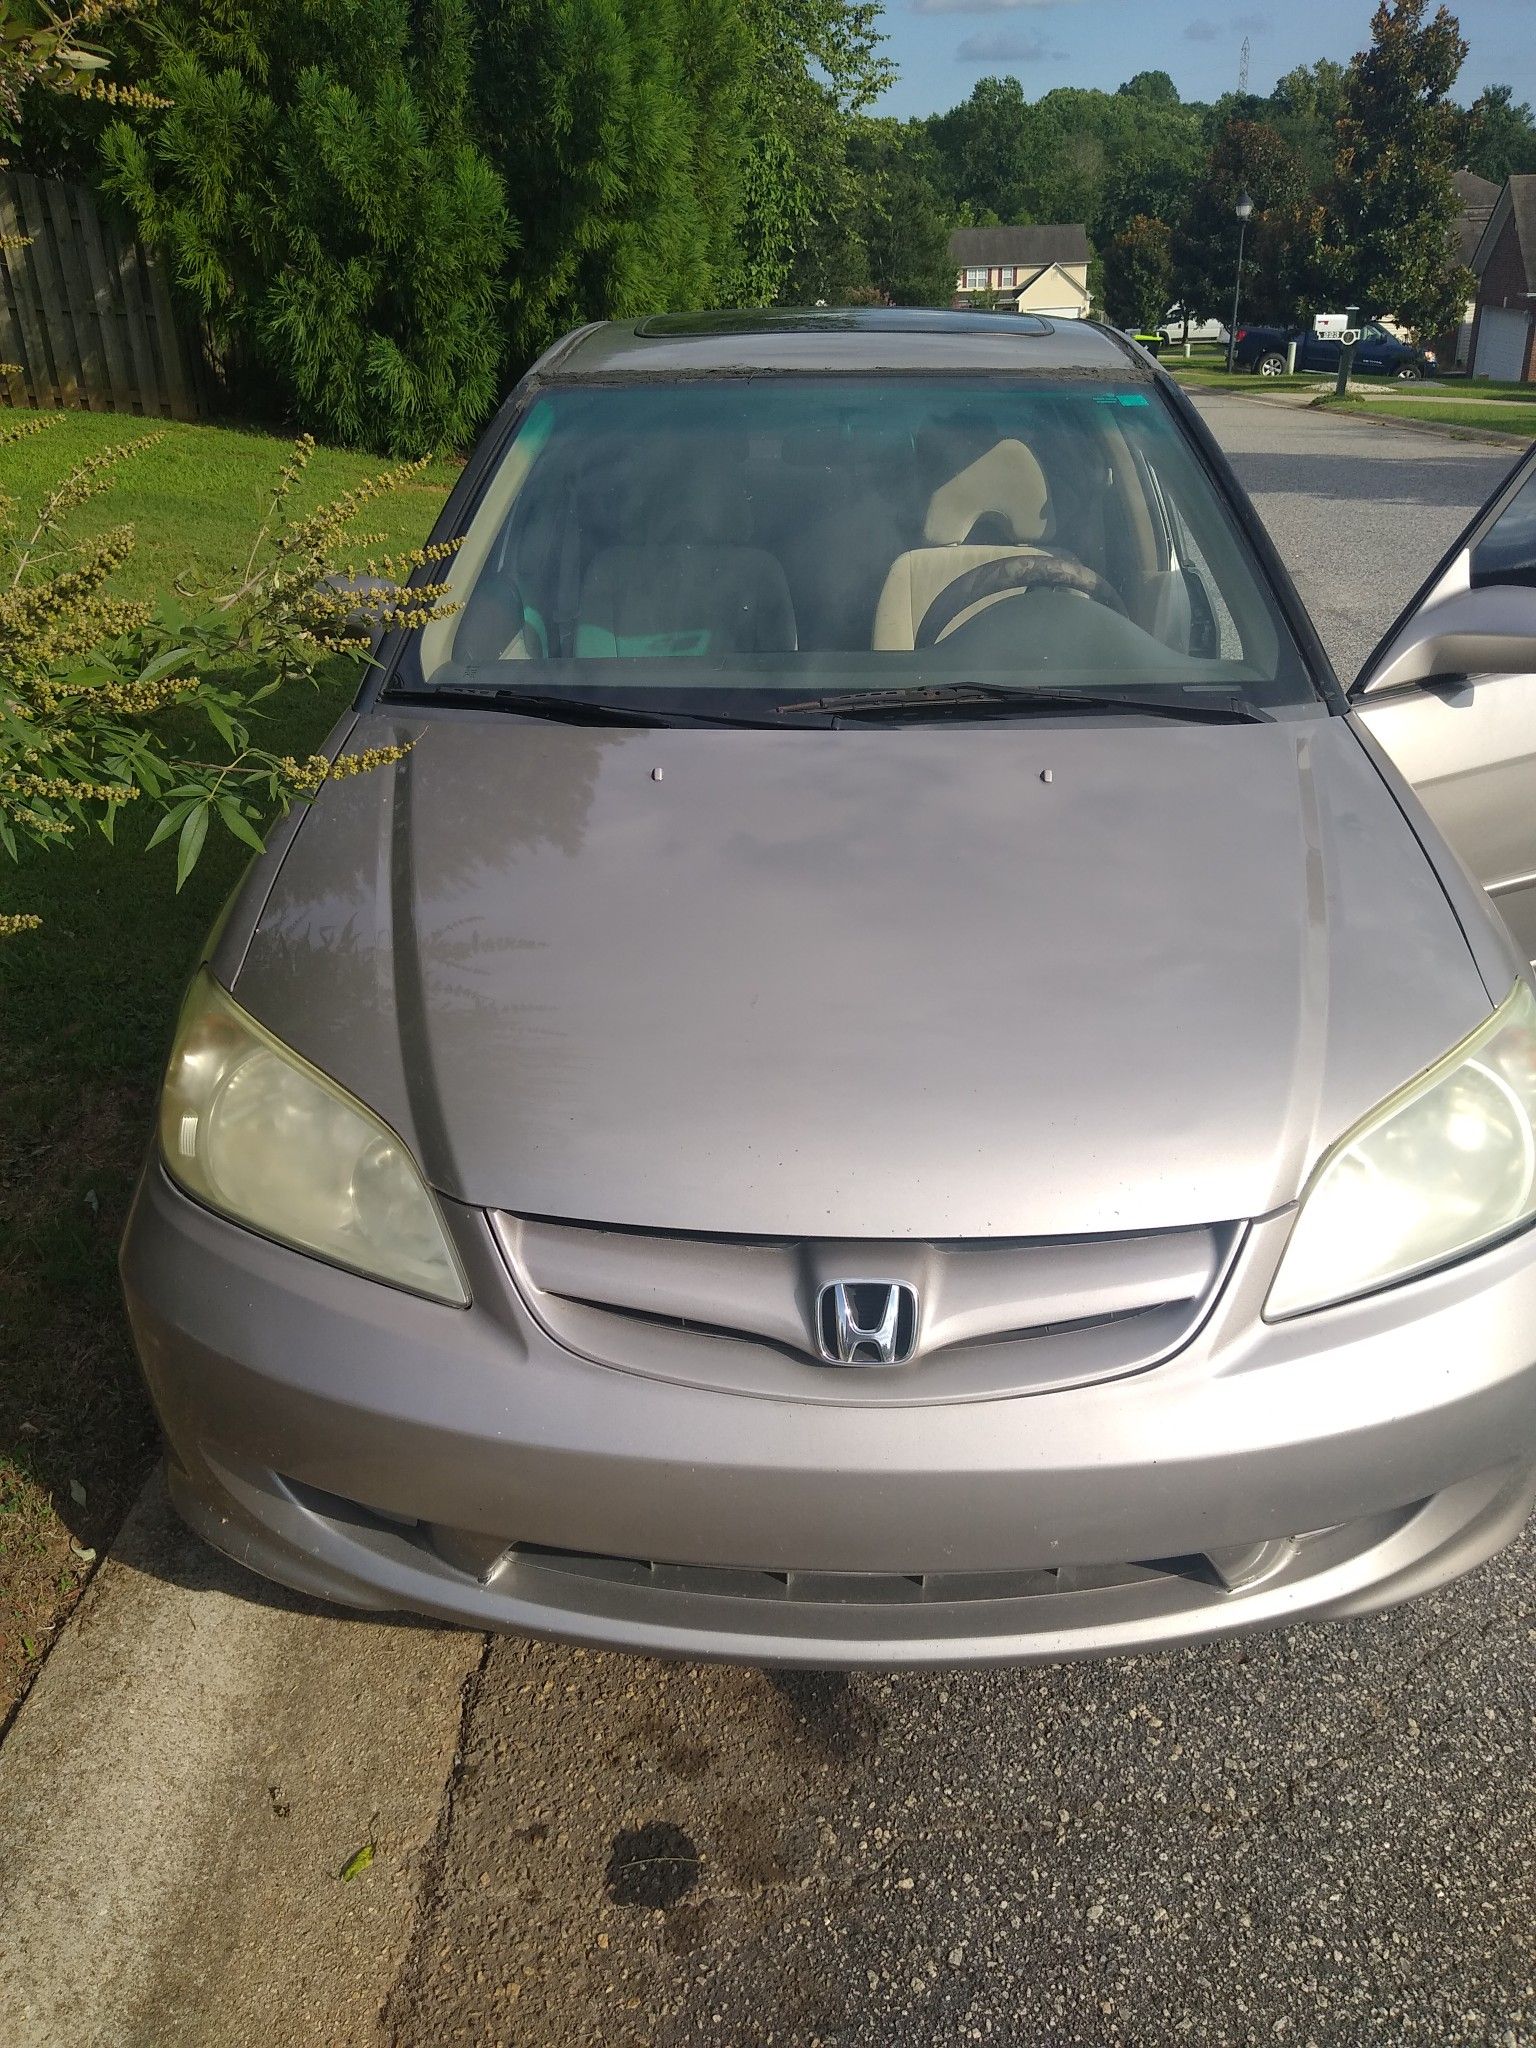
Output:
x=102 y=699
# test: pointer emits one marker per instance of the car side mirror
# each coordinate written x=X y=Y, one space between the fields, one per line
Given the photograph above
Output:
x=1486 y=632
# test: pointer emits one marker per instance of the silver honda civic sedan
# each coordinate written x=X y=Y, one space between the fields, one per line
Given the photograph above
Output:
x=899 y=1075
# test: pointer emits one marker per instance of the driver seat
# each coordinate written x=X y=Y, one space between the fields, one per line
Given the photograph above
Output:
x=1005 y=486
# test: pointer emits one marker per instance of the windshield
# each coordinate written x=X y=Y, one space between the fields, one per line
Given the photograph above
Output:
x=742 y=543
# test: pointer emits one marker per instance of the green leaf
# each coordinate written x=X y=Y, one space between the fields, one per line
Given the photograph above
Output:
x=222 y=725
x=163 y=664
x=356 y=1863
x=170 y=821
x=193 y=832
x=237 y=822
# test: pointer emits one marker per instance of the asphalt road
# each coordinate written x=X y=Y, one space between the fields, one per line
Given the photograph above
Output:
x=1322 y=1837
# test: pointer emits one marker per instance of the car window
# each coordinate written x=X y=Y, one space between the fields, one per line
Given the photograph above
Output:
x=1507 y=551
x=749 y=533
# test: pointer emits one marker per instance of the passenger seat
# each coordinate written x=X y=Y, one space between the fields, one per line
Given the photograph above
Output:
x=697 y=591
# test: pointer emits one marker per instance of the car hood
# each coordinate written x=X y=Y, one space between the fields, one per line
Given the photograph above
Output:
x=985 y=979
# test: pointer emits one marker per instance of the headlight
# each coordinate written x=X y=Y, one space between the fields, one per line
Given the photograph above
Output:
x=256 y=1132
x=1445 y=1165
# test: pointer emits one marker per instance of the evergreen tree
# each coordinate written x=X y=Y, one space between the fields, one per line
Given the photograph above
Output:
x=904 y=223
x=616 y=128
x=314 y=191
x=1393 y=208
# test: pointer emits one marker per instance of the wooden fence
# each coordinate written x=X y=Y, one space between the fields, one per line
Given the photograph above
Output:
x=84 y=311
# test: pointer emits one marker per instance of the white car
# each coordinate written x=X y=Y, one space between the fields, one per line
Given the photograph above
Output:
x=1171 y=328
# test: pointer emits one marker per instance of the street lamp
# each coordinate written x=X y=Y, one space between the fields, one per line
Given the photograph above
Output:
x=1244 y=212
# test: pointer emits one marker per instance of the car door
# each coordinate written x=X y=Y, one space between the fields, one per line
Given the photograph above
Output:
x=1318 y=352
x=1372 y=349
x=1450 y=694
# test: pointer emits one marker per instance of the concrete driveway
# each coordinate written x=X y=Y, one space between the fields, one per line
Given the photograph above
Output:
x=1326 y=1836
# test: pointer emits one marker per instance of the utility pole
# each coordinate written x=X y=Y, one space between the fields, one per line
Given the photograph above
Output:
x=1242 y=67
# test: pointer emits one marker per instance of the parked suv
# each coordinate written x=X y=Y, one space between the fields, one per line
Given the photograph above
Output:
x=1379 y=352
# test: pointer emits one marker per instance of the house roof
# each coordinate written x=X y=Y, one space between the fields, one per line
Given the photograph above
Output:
x=1517 y=198
x=1062 y=242
x=1477 y=198
x=1473 y=191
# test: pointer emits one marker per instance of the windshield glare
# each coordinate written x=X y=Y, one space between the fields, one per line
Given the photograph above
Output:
x=768 y=536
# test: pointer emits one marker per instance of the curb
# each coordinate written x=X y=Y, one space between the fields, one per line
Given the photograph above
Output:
x=197 y=1761
x=1444 y=429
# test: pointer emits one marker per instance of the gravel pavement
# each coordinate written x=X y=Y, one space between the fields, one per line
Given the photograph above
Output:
x=1324 y=1837
x=1360 y=511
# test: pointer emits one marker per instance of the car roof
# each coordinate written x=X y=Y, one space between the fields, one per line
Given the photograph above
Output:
x=857 y=339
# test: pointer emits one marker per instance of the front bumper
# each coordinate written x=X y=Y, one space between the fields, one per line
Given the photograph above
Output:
x=382 y=1451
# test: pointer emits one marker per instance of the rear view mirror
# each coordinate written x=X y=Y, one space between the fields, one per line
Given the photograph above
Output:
x=1487 y=632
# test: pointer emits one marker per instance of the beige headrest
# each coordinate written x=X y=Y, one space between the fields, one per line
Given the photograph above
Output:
x=1006 y=481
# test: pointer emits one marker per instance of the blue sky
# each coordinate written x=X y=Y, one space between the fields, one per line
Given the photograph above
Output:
x=944 y=46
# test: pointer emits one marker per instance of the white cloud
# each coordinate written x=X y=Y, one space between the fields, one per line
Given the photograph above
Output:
x=1201 y=31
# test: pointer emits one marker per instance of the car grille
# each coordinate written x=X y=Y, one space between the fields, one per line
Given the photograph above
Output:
x=854 y=1588
x=739 y=1314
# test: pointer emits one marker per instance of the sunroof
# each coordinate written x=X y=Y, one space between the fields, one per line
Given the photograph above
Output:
x=849 y=320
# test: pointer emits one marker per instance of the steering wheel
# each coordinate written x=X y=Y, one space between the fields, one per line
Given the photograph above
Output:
x=1012 y=575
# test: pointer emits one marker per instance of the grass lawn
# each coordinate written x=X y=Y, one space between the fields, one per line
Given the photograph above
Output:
x=1215 y=376
x=1504 y=416
x=86 y=1006
x=1489 y=387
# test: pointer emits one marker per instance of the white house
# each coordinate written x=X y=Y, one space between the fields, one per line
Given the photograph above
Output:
x=1023 y=269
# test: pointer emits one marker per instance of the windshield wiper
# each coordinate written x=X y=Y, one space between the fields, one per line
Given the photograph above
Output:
x=943 y=699
x=572 y=710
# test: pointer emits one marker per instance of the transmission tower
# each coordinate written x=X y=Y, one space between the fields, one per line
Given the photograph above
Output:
x=1242 y=65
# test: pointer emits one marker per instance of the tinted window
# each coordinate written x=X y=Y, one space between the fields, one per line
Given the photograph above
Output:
x=1507 y=551
x=752 y=532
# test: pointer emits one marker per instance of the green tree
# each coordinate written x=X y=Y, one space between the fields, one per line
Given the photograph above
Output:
x=1097 y=157
x=615 y=128
x=1152 y=88
x=811 y=67
x=1138 y=273
x=1392 y=208
x=983 y=148
x=904 y=223
x=1304 y=109
x=1500 y=136
x=323 y=210
x=1280 y=244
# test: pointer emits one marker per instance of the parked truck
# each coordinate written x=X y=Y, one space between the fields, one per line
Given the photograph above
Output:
x=1320 y=343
